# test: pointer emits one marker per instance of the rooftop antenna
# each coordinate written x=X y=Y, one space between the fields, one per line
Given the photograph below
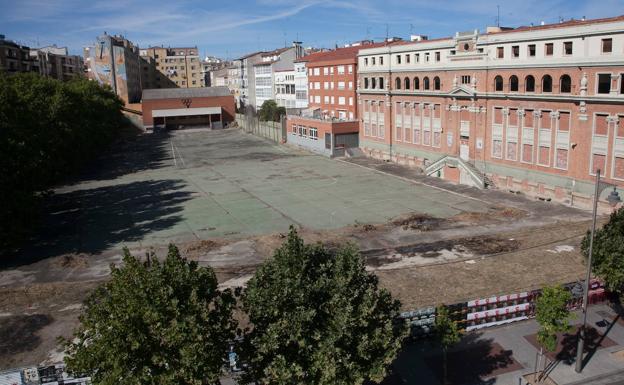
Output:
x=285 y=43
x=498 y=15
x=387 y=32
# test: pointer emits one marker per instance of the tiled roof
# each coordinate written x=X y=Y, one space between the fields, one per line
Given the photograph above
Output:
x=340 y=53
x=173 y=93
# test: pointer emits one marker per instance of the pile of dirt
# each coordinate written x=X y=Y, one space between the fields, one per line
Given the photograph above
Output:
x=203 y=246
x=420 y=222
x=489 y=245
x=71 y=261
x=494 y=215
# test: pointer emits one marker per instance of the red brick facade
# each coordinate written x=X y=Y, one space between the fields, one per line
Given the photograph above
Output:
x=531 y=121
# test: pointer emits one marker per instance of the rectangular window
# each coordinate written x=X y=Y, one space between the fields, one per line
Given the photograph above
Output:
x=500 y=52
x=465 y=79
x=372 y=61
x=341 y=70
x=317 y=99
x=549 y=49
x=515 y=51
x=333 y=101
x=325 y=70
x=398 y=59
x=350 y=100
x=341 y=100
x=350 y=69
x=331 y=70
x=607 y=45
x=417 y=57
x=567 y=48
x=341 y=85
x=350 y=85
x=531 y=50
x=365 y=61
x=622 y=83
x=380 y=60
x=437 y=56
x=326 y=99
x=317 y=71
x=604 y=83
x=407 y=58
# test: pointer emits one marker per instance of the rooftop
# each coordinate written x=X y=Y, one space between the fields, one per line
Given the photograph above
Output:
x=173 y=93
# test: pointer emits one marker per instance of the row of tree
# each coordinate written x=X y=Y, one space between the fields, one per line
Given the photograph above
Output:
x=308 y=316
x=48 y=130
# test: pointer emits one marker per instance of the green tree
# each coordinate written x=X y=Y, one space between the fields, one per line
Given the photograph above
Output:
x=447 y=334
x=552 y=315
x=608 y=252
x=48 y=130
x=154 y=323
x=269 y=111
x=318 y=318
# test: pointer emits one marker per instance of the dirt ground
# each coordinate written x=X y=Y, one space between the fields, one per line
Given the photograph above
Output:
x=33 y=316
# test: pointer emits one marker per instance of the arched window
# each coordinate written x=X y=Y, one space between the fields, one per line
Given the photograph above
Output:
x=498 y=83
x=565 y=84
x=416 y=83
x=373 y=83
x=381 y=81
x=406 y=86
x=529 y=84
x=397 y=84
x=426 y=83
x=365 y=83
x=546 y=83
x=513 y=83
x=436 y=83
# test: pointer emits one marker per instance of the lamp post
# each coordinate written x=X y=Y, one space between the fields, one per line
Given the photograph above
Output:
x=613 y=199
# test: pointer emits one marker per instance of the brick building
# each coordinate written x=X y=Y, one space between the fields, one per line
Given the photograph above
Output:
x=533 y=109
x=330 y=125
x=15 y=57
x=209 y=107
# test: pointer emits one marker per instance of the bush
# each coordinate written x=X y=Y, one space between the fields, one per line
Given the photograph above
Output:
x=48 y=130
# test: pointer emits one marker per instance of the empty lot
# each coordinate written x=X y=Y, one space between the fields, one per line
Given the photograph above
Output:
x=226 y=198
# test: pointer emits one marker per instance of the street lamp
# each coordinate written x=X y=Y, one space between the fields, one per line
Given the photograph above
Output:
x=613 y=199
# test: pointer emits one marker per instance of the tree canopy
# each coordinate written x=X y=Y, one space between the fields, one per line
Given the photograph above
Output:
x=446 y=333
x=552 y=315
x=608 y=252
x=154 y=323
x=318 y=318
x=270 y=111
x=48 y=130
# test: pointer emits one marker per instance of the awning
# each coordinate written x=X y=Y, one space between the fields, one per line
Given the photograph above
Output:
x=186 y=111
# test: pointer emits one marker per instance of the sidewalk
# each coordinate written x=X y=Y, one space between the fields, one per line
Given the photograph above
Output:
x=503 y=355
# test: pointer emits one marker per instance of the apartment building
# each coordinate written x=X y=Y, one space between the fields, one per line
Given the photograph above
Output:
x=285 y=88
x=56 y=62
x=15 y=57
x=301 y=85
x=248 y=78
x=330 y=126
x=178 y=66
x=270 y=63
x=209 y=64
x=536 y=109
x=114 y=61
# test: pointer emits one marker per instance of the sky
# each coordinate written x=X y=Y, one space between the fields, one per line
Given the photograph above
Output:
x=230 y=29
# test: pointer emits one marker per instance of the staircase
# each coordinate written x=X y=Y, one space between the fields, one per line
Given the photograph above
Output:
x=479 y=179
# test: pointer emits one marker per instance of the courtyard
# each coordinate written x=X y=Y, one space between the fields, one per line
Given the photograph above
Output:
x=227 y=198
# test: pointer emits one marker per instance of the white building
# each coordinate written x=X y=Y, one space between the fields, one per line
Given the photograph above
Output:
x=271 y=63
x=301 y=85
x=285 y=88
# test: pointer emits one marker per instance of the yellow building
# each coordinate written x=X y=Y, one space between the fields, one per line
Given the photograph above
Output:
x=175 y=67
